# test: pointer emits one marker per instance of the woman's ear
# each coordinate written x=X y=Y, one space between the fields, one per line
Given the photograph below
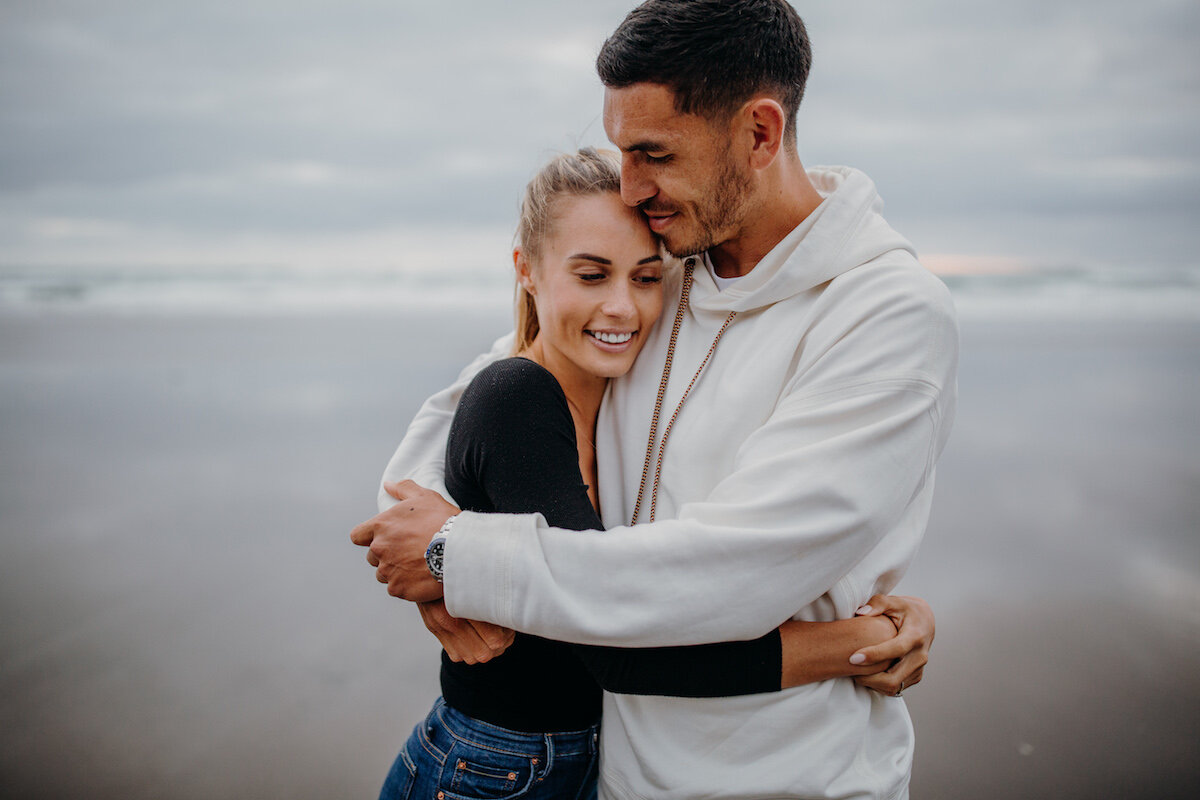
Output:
x=524 y=273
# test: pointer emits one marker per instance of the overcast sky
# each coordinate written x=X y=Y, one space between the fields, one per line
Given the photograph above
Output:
x=398 y=134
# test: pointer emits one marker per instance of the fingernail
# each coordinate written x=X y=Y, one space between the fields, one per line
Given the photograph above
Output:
x=858 y=658
x=863 y=610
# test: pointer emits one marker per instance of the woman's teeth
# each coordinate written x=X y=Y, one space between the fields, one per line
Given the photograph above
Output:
x=612 y=338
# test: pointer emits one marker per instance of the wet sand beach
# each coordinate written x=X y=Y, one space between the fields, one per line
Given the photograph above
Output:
x=183 y=615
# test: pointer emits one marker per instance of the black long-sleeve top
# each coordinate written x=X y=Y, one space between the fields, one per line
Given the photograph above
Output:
x=512 y=449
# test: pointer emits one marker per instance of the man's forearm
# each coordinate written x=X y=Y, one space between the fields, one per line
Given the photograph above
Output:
x=726 y=570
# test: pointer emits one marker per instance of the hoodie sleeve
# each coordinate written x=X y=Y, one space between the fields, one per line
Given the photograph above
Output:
x=828 y=497
x=421 y=456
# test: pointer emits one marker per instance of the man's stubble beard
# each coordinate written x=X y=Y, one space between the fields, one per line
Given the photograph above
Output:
x=719 y=220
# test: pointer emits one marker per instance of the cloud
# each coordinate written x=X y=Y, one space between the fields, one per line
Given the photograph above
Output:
x=1023 y=129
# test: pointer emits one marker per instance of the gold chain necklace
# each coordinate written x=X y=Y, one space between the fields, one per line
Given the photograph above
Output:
x=689 y=266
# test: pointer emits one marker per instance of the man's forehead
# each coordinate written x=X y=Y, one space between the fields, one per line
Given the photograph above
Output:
x=643 y=117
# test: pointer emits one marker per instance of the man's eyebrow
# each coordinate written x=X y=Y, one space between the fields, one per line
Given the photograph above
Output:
x=645 y=147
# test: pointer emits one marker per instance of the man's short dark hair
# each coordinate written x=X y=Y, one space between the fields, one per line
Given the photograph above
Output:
x=713 y=54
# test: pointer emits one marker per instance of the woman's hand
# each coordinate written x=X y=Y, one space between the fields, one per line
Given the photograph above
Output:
x=909 y=648
x=464 y=639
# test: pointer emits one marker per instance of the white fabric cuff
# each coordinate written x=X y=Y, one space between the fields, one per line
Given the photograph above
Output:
x=479 y=565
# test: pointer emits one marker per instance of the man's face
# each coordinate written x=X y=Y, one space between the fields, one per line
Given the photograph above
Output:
x=678 y=169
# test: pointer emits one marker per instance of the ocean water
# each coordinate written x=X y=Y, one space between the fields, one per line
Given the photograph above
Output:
x=185 y=617
x=1064 y=292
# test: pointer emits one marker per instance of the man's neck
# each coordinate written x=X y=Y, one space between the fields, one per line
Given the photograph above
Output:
x=784 y=200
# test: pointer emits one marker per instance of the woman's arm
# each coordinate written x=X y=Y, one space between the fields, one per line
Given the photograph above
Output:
x=885 y=647
x=818 y=651
x=724 y=669
x=808 y=652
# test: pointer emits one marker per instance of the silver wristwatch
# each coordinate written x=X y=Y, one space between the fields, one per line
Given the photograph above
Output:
x=435 y=554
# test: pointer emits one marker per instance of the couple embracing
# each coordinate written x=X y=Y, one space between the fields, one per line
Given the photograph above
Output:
x=688 y=515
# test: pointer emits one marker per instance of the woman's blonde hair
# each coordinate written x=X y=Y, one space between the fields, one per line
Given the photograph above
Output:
x=587 y=172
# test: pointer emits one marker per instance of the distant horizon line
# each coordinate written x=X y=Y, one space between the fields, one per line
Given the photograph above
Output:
x=942 y=264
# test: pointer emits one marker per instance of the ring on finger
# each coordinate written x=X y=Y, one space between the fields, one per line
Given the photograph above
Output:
x=900 y=690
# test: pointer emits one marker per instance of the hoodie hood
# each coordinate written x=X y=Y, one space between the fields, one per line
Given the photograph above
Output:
x=845 y=231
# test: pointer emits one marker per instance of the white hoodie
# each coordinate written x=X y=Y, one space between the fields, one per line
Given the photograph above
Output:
x=796 y=483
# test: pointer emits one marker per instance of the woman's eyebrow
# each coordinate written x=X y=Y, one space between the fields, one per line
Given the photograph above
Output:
x=590 y=257
x=606 y=262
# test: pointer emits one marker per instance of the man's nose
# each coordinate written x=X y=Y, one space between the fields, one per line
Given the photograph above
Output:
x=635 y=188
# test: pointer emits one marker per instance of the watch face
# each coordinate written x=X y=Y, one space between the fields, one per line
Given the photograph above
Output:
x=433 y=557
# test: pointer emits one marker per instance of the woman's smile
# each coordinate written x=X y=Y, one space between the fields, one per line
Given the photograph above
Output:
x=612 y=341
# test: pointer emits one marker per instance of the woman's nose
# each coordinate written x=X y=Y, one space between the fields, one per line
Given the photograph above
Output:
x=618 y=303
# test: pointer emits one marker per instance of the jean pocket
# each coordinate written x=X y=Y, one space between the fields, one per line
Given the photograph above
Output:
x=478 y=774
x=399 y=783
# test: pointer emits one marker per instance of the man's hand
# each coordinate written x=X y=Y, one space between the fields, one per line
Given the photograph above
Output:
x=464 y=639
x=396 y=540
x=909 y=647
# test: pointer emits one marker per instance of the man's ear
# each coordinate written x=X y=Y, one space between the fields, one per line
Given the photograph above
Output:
x=524 y=276
x=766 y=123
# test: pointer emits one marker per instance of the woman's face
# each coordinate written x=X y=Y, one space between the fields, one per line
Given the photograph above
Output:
x=597 y=286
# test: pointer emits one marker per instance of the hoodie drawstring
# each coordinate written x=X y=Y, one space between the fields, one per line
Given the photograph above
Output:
x=689 y=267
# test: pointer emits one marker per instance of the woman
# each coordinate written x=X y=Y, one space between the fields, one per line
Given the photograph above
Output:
x=525 y=724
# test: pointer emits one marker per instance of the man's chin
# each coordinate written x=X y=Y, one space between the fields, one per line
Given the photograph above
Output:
x=682 y=250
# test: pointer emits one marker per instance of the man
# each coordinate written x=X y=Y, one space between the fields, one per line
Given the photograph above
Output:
x=788 y=463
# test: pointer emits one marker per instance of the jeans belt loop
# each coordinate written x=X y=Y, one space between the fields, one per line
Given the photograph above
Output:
x=549 y=740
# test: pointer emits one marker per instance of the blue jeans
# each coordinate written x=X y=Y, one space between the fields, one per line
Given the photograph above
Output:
x=451 y=756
